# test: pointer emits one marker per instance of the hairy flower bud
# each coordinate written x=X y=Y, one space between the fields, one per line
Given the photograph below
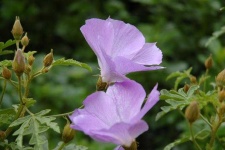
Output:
x=100 y=85
x=17 y=30
x=6 y=73
x=68 y=133
x=31 y=60
x=25 y=40
x=220 y=79
x=48 y=59
x=209 y=62
x=18 y=63
x=192 y=112
x=133 y=146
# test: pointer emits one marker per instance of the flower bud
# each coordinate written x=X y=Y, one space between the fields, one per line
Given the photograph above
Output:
x=27 y=69
x=6 y=73
x=17 y=30
x=222 y=95
x=48 y=59
x=18 y=63
x=220 y=79
x=100 y=85
x=186 y=87
x=192 y=112
x=193 y=79
x=2 y=135
x=133 y=146
x=31 y=60
x=68 y=133
x=209 y=62
x=222 y=109
x=25 y=40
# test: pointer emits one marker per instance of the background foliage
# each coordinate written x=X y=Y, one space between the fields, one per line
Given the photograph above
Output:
x=180 y=28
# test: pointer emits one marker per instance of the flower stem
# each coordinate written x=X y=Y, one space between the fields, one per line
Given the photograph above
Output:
x=192 y=137
x=3 y=92
x=62 y=145
x=20 y=89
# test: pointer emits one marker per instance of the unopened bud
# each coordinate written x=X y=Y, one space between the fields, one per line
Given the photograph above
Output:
x=220 y=79
x=68 y=133
x=186 y=87
x=17 y=30
x=45 y=70
x=193 y=79
x=100 y=85
x=48 y=59
x=222 y=95
x=31 y=60
x=6 y=73
x=192 y=112
x=133 y=146
x=209 y=62
x=18 y=63
x=222 y=109
x=25 y=40
x=27 y=69
x=2 y=135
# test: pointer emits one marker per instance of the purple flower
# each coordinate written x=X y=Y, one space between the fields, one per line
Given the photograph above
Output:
x=120 y=48
x=115 y=116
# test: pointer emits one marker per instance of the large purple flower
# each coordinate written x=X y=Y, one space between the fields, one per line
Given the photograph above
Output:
x=120 y=48
x=115 y=116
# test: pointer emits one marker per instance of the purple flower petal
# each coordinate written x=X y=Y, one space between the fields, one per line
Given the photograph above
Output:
x=121 y=133
x=125 y=66
x=120 y=48
x=128 y=97
x=150 y=54
x=128 y=40
x=153 y=98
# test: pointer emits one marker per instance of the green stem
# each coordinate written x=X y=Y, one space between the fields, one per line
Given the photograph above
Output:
x=214 y=130
x=62 y=145
x=193 y=138
x=205 y=120
x=3 y=92
x=60 y=115
x=20 y=89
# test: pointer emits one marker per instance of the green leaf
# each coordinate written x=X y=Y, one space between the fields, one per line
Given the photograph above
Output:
x=179 y=76
x=201 y=135
x=35 y=124
x=7 y=116
x=6 y=63
x=5 y=45
x=70 y=62
x=70 y=147
x=215 y=35
x=177 y=142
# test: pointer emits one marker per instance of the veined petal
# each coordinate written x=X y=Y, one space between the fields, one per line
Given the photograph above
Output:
x=99 y=34
x=152 y=99
x=128 y=40
x=99 y=108
x=120 y=133
x=150 y=54
x=125 y=66
x=128 y=97
x=108 y=69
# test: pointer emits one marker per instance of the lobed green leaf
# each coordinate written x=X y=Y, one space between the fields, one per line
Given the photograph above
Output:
x=70 y=62
x=177 y=142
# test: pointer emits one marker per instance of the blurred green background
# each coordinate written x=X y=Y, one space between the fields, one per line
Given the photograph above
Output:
x=181 y=29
